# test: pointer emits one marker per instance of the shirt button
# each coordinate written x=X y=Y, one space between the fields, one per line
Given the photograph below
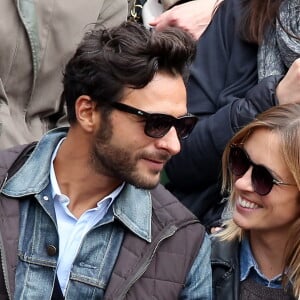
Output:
x=46 y=198
x=51 y=250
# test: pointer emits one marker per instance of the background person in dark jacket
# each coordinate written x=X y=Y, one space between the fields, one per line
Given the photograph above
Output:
x=94 y=223
x=257 y=255
x=225 y=93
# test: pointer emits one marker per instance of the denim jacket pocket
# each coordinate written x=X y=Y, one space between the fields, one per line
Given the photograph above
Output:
x=45 y=261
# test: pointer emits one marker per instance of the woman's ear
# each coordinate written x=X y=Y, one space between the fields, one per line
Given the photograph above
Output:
x=86 y=113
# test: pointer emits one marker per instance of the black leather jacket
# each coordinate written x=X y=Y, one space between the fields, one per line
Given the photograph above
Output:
x=225 y=269
x=225 y=264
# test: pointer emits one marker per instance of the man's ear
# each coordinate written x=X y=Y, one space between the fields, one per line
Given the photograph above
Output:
x=86 y=113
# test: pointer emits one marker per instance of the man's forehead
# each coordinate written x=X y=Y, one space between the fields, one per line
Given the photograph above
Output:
x=164 y=95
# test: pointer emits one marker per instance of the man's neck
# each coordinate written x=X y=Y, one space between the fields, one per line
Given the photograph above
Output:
x=77 y=179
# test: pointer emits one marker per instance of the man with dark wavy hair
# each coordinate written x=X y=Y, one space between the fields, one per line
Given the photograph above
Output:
x=94 y=223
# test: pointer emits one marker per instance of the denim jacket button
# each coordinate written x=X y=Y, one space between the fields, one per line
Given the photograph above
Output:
x=51 y=250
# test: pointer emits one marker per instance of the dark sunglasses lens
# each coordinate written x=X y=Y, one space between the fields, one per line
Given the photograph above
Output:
x=158 y=125
x=185 y=125
x=262 y=180
x=238 y=161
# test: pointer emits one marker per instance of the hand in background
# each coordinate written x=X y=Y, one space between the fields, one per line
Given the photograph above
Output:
x=288 y=89
x=193 y=16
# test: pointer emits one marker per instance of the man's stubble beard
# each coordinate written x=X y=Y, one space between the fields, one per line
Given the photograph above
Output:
x=116 y=162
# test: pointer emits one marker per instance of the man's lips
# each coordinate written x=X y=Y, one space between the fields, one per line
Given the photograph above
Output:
x=156 y=163
x=158 y=159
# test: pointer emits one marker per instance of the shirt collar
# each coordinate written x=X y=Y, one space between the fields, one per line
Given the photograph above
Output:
x=246 y=259
x=248 y=263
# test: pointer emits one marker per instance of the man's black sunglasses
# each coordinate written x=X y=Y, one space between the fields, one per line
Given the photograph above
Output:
x=261 y=178
x=157 y=125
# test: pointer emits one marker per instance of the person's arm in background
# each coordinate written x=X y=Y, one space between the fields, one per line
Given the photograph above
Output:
x=288 y=90
x=193 y=16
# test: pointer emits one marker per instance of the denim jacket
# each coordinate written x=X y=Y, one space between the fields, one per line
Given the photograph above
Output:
x=97 y=260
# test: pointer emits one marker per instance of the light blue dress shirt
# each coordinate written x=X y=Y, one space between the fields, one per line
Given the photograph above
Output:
x=250 y=269
x=71 y=230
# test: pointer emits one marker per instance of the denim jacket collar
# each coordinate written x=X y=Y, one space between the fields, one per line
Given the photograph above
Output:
x=133 y=206
x=33 y=176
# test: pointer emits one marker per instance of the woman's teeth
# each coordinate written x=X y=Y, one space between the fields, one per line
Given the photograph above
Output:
x=247 y=204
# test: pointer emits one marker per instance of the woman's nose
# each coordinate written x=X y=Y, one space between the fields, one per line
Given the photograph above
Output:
x=244 y=182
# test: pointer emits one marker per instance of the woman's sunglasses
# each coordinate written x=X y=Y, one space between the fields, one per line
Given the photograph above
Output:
x=262 y=179
x=157 y=125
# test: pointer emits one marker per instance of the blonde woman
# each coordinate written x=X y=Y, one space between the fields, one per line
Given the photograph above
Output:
x=257 y=255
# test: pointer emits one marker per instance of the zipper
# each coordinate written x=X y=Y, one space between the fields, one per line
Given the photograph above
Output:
x=168 y=232
x=142 y=269
x=3 y=182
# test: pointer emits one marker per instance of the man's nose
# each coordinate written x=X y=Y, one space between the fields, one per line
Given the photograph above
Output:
x=169 y=142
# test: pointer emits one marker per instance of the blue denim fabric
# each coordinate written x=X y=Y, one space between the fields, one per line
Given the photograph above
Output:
x=198 y=283
x=90 y=273
x=249 y=268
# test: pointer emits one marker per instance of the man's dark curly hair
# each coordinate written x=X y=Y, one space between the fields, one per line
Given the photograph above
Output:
x=129 y=55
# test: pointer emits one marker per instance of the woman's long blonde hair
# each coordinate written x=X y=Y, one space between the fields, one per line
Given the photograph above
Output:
x=283 y=120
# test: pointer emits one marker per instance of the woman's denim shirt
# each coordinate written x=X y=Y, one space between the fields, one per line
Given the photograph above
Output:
x=250 y=269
